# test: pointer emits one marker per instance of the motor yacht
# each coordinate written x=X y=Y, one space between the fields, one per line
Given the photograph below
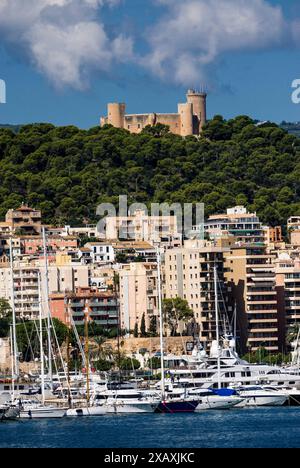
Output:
x=127 y=401
x=260 y=396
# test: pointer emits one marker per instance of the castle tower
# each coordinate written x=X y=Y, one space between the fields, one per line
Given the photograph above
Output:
x=198 y=100
x=185 y=112
x=116 y=114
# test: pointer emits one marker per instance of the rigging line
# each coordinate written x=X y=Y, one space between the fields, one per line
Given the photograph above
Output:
x=61 y=358
x=182 y=342
x=224 y=303
x=28 y=339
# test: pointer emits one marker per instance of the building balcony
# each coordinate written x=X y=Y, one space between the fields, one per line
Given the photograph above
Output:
x=77 y=304
x=107 y=322
x=262 y=339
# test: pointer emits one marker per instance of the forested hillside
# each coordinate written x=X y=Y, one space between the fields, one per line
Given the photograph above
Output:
x=66 y=171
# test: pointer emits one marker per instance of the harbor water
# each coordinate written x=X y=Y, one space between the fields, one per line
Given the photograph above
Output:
x=265 y=427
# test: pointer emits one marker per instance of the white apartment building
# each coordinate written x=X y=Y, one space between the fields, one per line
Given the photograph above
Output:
x=62 y=278
x=101 y=252
x=237 y=222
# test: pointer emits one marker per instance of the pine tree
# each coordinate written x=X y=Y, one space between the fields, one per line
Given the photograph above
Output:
x=153 y=326
x=143 y=326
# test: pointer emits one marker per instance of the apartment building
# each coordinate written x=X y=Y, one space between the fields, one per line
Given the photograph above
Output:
x=100 y=252
x=287 y=268
x=33 y=245
x=273 y=236
x=250 y=276
x=141 y=227
x=138 y=294
x=100 y=307
x=189 y=274
x=293 y=228
x=25 y=219
x=237 y=222
x=63 y=277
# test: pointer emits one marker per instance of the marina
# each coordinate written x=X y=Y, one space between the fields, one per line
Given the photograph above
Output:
x=263 y=427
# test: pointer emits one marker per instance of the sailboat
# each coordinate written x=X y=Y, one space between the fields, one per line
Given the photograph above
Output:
x=35 y=409
x=170 y=403
x=90 y=409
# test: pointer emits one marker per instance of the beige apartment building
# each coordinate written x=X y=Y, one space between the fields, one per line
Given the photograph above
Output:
x=189 y=119
x=25 y=219
x=250 y=276
x=189 y=274
x=288 y=286
x=142 y=227
x=293 y=227
x=138 y=294
x=63 y=277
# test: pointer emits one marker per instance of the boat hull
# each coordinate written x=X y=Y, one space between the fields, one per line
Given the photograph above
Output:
x=42 y=413
x=7 y=414
x=218 y=403
x=263 y=401
x=177 y=406
x=86 y=411
x=127 y=408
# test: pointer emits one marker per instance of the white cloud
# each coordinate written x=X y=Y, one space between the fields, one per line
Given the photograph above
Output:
x=64 y=39
x=194 y=33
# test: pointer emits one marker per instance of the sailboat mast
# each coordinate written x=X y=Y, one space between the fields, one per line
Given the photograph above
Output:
x=235 y=323
x=12 y=364
x=48 y=307
x=160 y=325
x=41 y=341
x=14 y=333
x=217 y=324
x=86 y=334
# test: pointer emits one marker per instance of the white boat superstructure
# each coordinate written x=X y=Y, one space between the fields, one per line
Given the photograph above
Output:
x=20 y=390
x=260 y=396
x=233 y=371
x=128 y=401
x=34 y=409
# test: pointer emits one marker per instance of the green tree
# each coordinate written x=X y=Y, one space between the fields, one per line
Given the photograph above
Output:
x=128 y=364
x=153 y=326
x=175 y=311
x=136 y=330
x=5 y=318
x=143 y=326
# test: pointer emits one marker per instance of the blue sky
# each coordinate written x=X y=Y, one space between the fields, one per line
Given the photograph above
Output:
x=65 y=59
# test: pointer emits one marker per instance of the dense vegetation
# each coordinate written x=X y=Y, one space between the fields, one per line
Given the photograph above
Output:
x=291 y=127
x=66 y=172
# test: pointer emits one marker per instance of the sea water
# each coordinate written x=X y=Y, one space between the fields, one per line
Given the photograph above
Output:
x=246 y=427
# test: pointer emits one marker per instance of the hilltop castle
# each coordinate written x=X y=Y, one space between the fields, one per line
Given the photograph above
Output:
x=189 y=120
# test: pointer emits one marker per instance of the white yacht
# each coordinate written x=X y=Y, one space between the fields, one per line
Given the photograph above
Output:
x=233 y=370
x=34 y=409
x=207 y=398
x=127 y=401
x=260 y=396
x=216 y=399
